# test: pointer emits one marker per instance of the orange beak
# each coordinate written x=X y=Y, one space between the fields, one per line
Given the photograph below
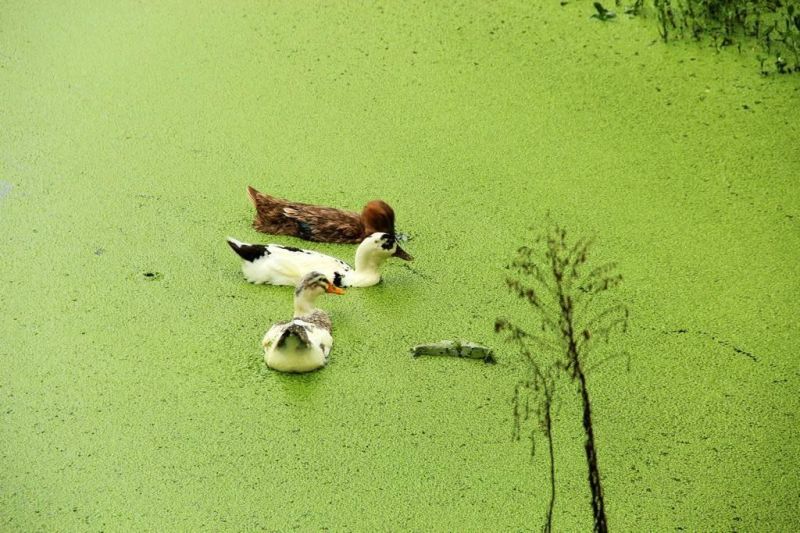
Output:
x=333 y=289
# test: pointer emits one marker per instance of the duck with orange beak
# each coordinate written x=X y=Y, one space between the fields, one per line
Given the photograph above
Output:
x=304 y=343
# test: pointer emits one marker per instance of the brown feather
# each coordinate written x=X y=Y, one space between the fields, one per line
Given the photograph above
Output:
x=377 y=215
x=319 y=319
x=317 y=223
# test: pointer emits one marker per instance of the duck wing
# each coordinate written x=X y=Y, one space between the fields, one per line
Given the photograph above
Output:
x=274 y=333
x=325 y=224
x=295 y=329
x=318 y=325
x=318 y=318
x=286 y=265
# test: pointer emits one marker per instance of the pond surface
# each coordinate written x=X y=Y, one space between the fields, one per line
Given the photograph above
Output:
x=133 y=394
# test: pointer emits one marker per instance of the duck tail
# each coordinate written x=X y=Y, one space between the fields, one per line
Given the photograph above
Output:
x=248 y=252
x=296 y=331
x=253 y=194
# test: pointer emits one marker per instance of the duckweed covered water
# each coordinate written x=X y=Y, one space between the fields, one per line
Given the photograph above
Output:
x=133 y=393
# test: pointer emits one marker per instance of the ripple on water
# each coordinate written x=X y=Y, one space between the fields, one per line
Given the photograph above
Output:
x=5 y=188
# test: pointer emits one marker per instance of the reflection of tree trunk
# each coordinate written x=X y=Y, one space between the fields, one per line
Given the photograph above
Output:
x=548 y=527
x=568 y=330
x=598 y=507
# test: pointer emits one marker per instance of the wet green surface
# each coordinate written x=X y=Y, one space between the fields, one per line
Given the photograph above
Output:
x=127 y=136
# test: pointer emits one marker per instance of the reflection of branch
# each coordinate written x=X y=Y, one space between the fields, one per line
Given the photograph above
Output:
x=576 y=257
x=561 y=296
x=721 y=342
x=415 y=271
x=533 y=297
x=517 y=334
x=596 y=282
x=602 y=330
x=595 y=320
x=544 y=386
x=611 y=358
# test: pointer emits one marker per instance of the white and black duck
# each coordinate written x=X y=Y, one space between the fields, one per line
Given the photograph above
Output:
x=285 y=265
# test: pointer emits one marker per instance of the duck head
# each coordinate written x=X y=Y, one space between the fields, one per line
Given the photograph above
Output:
x=377 y=216
x=389 y=243
x=309 y=289
x=376 y=249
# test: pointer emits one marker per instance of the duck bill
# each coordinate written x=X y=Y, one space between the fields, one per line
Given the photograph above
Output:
x=333 y=289
x=402 y=254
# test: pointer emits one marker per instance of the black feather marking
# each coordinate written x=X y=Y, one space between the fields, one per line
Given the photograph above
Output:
x=249 y=252
x=337 y=280
x=293 y=249
x=304 y=231
x=390 y=240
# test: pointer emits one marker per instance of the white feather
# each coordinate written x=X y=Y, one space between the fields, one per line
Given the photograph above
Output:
x=282 y=266
x=294 y=358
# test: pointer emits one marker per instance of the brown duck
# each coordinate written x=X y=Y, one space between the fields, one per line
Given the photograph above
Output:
x=317 y=223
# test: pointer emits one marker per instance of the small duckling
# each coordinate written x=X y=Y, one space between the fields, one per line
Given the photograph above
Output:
x=285 y=265
x=302 y=344
x=317 y=223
